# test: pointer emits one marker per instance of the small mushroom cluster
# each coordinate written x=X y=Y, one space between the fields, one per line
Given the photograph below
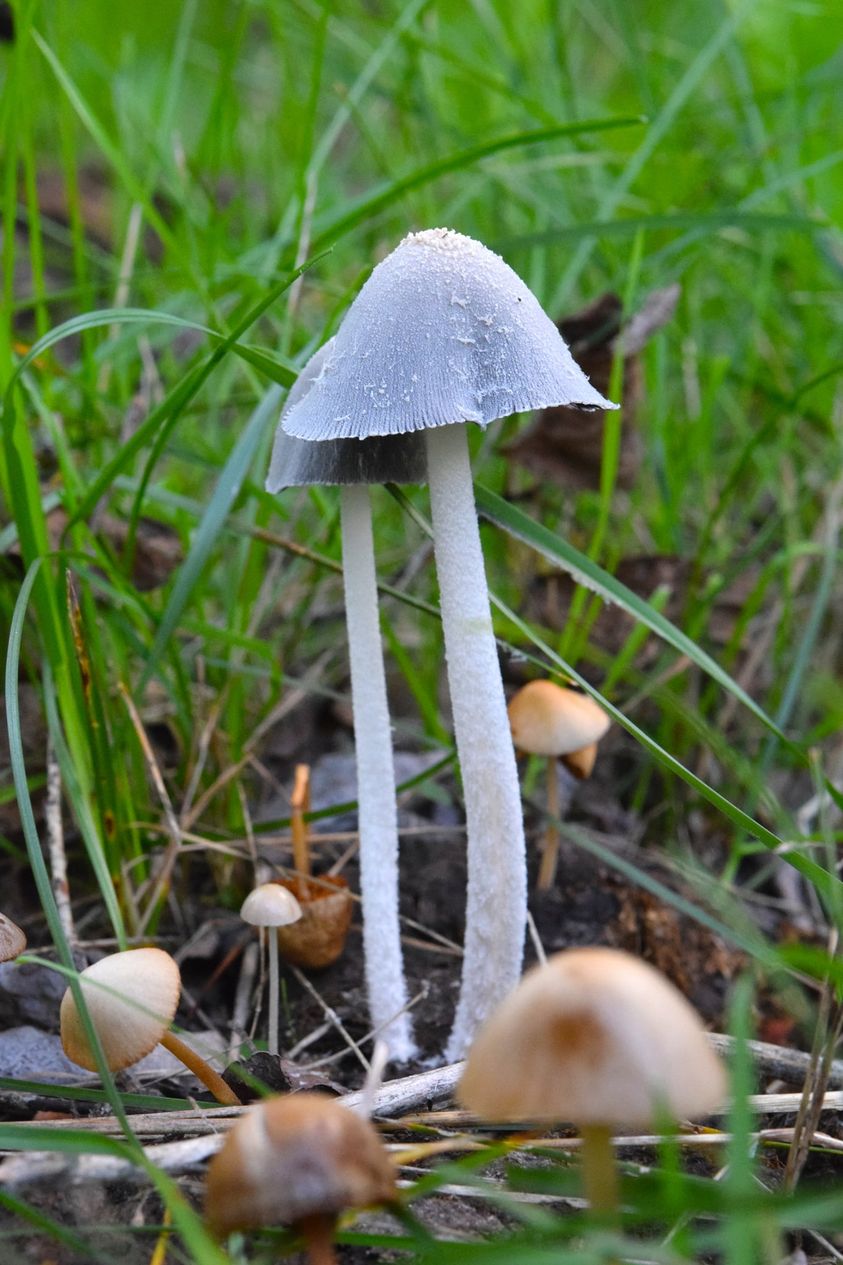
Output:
x=442 y=333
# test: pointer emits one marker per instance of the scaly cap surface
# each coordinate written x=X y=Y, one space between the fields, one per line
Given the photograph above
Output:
x=442 y=332
x=298 y=463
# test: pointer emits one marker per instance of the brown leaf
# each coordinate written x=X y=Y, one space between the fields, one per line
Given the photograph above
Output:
x=565 y=445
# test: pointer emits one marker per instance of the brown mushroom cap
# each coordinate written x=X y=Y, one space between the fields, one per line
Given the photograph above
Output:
x=295 y=1157
x=548 y=719
x=12 y=939
x=596 y=1036
x=132 y=998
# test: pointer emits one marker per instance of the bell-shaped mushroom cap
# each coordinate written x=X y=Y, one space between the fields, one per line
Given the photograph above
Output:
x=294 y=1157
x=297 y=463
x=270 y=905
x=547 y=719
x=12 y=939
x=596 y=1036
x=131 y=998
x=443 y=331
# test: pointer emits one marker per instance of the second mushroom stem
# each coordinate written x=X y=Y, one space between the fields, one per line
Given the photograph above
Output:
x=377 y=809
x=496 y=909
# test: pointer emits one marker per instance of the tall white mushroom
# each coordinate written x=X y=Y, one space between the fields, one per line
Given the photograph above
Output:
x=445 y=332
x=354 y=465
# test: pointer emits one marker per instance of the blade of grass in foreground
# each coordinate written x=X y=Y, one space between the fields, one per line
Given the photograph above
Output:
x=591 y=576
x=826 y=883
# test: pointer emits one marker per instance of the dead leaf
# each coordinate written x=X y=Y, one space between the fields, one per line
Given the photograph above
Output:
x=565 y=445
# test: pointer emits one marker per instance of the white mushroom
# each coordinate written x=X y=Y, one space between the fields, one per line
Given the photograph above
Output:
x=353 y=465
x=444 y=332
x=270 y=906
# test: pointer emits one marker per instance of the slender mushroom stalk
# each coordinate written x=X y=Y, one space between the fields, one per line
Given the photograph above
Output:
x=354 y=464
x=599 y=1039
x=444 y=332
x=270 y=906
x=497 y=873
x=132 y=998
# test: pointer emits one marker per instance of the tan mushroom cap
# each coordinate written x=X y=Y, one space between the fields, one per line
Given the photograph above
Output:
x=596 y=1036
x=294 y=1157
x=12 y=939
x=548 y=719
x=132 y=998
x=270 y=905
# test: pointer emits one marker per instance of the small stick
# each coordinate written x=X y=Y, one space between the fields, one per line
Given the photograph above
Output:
x=300 y=804
x=55 y=846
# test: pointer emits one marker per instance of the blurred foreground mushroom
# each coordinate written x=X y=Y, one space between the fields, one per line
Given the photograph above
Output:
x=600 y=1039
x=353 y=464
x=442 y=333
x=299 y=1161
x=132 y=998
x=270 y=906
x=551 y=720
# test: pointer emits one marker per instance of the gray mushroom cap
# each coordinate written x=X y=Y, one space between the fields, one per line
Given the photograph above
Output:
x=299 y=463
x=443 y=331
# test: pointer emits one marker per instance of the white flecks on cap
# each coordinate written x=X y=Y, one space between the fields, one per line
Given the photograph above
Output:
x=382 y=459
x=442 y=332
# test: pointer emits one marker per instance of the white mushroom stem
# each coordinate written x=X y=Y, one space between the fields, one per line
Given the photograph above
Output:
x=496 y=910
x=274 y=990
x=377 y=810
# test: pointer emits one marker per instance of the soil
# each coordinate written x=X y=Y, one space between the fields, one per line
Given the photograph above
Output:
x=592 y=902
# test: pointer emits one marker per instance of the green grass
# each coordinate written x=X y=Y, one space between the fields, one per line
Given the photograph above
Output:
x=597 y=146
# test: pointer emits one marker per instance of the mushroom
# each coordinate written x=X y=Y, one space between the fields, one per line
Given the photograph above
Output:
x=131 y=998
x=598 y=1038
x=551 y=720
x=353 y=465
x=299 y=1160
x=12 y=939
x=444 y=332
x=271 y=906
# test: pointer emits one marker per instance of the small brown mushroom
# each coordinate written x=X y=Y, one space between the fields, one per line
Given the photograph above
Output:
x=597 y=1038
x=299 y=1160
x=12 y=939
x=551 y=720
x=131 y=999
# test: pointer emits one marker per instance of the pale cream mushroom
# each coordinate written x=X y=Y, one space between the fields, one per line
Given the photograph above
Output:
x=550 y=720
x=600 y=1039
x=271 y=906
x=132 y=998
x=298 y=1160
